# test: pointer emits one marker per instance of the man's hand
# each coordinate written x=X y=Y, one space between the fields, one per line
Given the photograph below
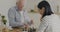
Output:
x=31 y=21
x=26 y=26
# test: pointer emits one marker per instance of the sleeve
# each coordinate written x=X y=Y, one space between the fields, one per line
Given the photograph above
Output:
x=27 y=18
x=43 y=25
x=11 y=17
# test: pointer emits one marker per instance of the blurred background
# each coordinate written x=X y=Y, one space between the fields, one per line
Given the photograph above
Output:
x=31 y=7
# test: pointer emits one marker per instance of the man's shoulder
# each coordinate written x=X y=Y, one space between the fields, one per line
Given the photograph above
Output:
x=14 y=7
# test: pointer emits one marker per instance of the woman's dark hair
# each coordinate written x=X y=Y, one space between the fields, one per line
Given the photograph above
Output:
x=47 y=7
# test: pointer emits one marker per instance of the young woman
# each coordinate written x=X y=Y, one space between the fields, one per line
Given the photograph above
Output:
x=49 y=21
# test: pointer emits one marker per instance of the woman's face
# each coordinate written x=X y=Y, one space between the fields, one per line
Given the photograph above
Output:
x=41 y=11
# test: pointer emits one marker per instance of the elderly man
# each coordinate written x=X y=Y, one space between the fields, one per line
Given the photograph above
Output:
x=18 y=17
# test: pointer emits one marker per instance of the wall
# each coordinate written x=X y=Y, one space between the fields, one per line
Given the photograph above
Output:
x=5 y=5
x=54 y=4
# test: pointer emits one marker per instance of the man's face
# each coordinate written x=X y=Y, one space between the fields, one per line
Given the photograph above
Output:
x=20 y=4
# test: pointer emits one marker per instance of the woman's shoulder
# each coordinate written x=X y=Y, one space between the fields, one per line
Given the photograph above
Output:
x=50 y=17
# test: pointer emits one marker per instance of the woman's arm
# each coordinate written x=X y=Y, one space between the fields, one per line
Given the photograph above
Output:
x=43 y=25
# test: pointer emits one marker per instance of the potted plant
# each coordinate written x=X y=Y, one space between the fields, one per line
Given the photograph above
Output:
x=4 y=20
x=4 y=23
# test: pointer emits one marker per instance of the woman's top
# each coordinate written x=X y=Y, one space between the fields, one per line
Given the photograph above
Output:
x=50 y=23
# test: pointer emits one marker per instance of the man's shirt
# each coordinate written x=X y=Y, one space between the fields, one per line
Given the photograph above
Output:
x=17 y=18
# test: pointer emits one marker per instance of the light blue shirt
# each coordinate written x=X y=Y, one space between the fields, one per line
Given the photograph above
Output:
x=15 y=17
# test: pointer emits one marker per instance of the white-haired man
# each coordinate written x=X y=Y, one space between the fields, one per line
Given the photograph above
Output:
x=18 y=17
